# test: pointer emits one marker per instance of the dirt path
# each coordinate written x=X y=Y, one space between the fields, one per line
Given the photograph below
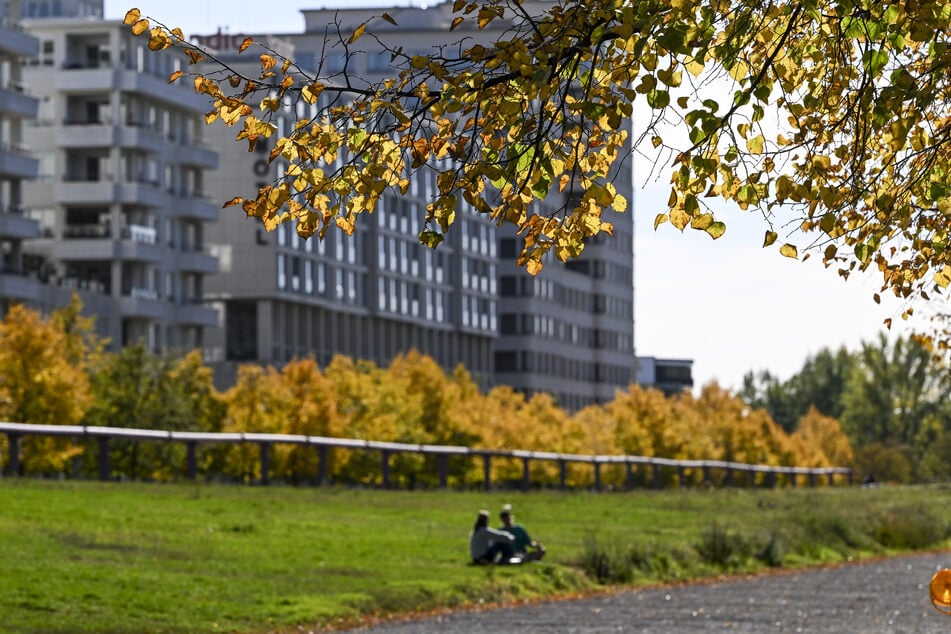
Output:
x=887 y=596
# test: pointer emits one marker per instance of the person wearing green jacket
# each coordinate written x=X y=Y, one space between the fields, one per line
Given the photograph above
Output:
x=526 y=548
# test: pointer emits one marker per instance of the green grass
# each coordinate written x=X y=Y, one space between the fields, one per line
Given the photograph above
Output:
x=133 y=557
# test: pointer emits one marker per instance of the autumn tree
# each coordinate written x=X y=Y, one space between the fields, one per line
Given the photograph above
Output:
x=828 y=119
x=137 y=388
x=43 y=379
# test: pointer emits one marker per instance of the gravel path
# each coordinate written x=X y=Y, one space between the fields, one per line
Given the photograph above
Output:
x=887 y=596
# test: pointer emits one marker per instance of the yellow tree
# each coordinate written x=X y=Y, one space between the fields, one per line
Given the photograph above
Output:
x=825 y=443
x=43 y=379
x=258 y=402
x=828 y=117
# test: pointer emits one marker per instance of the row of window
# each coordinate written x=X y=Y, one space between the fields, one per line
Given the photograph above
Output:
x=553 y=328
x=559 y=366
x=550 y=290
x=309 y=277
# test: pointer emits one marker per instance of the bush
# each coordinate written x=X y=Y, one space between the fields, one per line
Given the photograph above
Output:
x=910 y=527
x=721 y=547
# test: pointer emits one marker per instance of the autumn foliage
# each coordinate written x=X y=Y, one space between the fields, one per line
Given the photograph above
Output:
x=53 y=371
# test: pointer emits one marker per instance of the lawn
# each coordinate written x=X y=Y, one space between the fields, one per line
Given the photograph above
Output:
x=136 y=557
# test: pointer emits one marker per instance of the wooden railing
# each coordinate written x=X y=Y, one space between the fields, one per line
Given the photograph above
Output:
x=769 y=473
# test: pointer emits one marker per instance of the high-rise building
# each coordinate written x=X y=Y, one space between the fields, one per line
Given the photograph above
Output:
x=568 y=331
x=120 y=198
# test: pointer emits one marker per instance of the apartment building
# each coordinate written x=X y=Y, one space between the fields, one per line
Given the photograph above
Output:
x=119 y=201
x=568 y=331
x=16 y=166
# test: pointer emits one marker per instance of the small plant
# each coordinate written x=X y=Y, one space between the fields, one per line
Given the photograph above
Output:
x=721 y=547
x=773 y=551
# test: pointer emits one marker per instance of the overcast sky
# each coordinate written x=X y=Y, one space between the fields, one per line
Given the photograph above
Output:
x=728 y=304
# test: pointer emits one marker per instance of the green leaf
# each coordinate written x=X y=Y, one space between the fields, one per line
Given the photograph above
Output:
x=431 y=239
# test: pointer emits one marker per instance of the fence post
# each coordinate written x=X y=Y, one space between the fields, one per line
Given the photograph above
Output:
x=385 y=467
x=487 y=472
x=442 y=467
x=681 y=478
x=792 y=480
x=812 y=479
x=728 y=478
x=655 y=476
x=831 y=477
x=707 y=480
x=323 y=468
x=526 y=474
x=597 y=475
x=265 y=463
x=629 y=479
x=104 y=458
x=191 y=459
x=562 y=474
x=13 y=465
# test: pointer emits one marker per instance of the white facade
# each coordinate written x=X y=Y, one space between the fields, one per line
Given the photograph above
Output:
x=120 y=196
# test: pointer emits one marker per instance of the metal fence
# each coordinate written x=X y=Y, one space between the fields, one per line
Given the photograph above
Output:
x=768 y=474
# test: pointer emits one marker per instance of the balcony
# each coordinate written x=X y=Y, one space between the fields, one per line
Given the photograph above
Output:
x=18 y=287
x=16 y=163
x=86 y=134
x=14 y=225
x=78 y=78
x=137 y=136
x=82 y=192
x=178 y=95
x=197 y=262
x=142 y=193
x=15 y=101
x=143 y=303
x=16 y=41
x=195 y=207
x=195 y=314
x=197 y=155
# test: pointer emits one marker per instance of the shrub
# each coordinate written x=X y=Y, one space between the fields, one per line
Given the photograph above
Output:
x=910 y=527
x=721 y=547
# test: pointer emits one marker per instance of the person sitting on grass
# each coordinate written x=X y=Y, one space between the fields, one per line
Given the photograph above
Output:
x=487 y=545
x=523 y=542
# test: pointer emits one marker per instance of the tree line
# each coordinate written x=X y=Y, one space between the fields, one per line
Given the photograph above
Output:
x=886 y=401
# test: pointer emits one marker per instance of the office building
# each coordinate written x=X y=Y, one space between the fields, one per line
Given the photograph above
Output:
x=568 y=331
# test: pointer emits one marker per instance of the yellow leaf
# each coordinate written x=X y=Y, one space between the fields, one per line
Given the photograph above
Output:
x=245 y=44
x=132 y=16
x=174 y=76
x=789 y=251
x=267 y=62
x=943 y=277
x=357 y=33
x=234 y=201
x=716 y=230
x=388 y=18
x=456 y=21
x=533 y=267
x=659 y=219
x=140 y=27
x=770 y=238
x=158 y=39
x=679 y=218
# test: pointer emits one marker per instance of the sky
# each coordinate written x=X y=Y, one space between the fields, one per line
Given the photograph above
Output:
x=729 y=305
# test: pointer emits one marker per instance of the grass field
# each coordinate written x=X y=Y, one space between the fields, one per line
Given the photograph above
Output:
x=133 y=557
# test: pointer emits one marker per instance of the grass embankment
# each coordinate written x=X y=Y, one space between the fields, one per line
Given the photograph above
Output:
x=131 y=557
